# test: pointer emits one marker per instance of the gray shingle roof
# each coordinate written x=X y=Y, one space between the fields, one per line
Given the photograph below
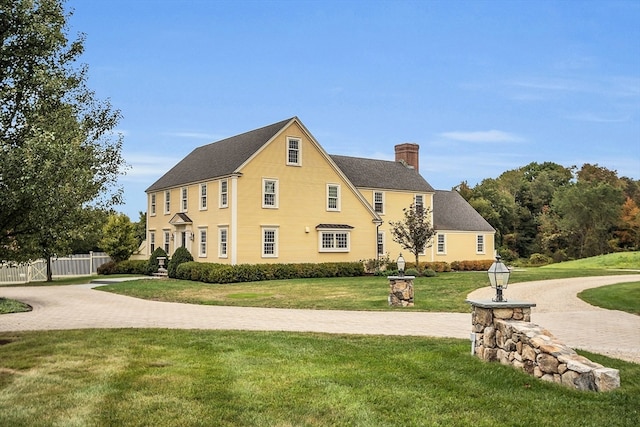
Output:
x=217 y=159
x=383 y=174
x=453 y=212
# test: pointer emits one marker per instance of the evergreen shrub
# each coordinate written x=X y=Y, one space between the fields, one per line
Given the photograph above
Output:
x=181 y=255
x=153 y=265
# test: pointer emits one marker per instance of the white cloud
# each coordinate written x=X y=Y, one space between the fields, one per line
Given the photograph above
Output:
x=482 y=136
x=146 y=168
x=194 y=135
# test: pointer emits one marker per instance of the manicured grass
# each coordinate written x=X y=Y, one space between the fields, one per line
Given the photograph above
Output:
x=445 y=293
x=628 y=260
x=622 y=296
x=12 y=306
x=202 y=378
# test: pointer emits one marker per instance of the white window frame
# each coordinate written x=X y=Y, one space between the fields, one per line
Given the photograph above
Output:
x=167 y=201
x=264 y=231
x=417 y=197
x=332 y=235
x=275 y=193
x=152 y=203
x=203 y=196
x=330 y=198
x=223 y=242
x=152 y=241
x=380 y=243
x=223 y=188
x=202 y=242
x=441 y=244
x=480 y=244
x=184 y=199
x=297 y=150
x=166 y=241
x=381 y=202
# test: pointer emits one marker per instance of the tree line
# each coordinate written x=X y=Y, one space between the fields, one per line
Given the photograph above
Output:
x=548 y=212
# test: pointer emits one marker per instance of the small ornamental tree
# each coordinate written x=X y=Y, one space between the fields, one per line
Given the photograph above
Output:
x=180 y=256
x=414 y=233
x=118 y=237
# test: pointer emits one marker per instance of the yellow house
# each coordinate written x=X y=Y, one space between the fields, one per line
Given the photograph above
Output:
x=274 y=195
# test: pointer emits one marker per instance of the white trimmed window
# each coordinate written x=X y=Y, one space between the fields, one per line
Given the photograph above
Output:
x=203 y=242
x=224 y=194
x=167 y=202
x=184 y=203
x=203 y=196
x=442 y=244
x=381 y=243
x=269 y=242
x=152 y=208
x=480 y=244
x=378 y=202
x=270 y=193
x=334 y=241
x=333 y=197
x=223 y=239
x=294 y=157
x=418 y=202
x=152 y=241
x=167 y=239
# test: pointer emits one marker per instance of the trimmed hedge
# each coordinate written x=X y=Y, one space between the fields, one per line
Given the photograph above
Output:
x=124 y=267
x=223 y=273
x=181 y=255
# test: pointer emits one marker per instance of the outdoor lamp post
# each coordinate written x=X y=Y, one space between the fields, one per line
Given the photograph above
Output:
x=499 y=278
x=401 y=264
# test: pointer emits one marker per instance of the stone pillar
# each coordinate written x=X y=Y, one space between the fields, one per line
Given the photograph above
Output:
x=483 y=323
x=401 y=291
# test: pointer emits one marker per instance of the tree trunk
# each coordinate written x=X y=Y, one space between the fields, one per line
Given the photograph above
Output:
x=49 y=272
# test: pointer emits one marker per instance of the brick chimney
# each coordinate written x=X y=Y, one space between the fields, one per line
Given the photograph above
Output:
x=408 y=153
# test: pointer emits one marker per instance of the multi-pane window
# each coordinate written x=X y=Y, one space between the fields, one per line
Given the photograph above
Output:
x=480 y=243
x=183 y=199
x=334 y=241
x=380 y=243
x=378 y=202
x=293 y=151
x=152 y=208
x=167 y=238
x=152 y=241
x=269 y=242
x=419 y=203
x=442 y=248
x=224 y=193
x=333 y=197
x=203 y=242
x=269 y=193
x=167 y=201
x=223 y=237
x=203 y=196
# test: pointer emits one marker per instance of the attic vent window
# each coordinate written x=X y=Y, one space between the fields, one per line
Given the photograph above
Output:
x=293 y=152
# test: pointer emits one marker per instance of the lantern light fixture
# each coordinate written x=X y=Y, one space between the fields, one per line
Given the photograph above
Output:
x=401 y=265
x=499 y=278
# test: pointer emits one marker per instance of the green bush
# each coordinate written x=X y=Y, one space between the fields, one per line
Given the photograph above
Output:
x=152 y=265
x=123 y=267
x=223 y=273
x=539 y=259
x=181 y=255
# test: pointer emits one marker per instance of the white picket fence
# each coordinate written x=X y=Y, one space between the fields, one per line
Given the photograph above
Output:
x=36 y=271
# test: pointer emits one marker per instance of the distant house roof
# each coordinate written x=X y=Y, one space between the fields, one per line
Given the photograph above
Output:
x=217 y=159
x=382 y=174
x=454 y=213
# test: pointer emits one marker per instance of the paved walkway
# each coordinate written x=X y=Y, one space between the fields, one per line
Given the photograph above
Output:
x=574 y=322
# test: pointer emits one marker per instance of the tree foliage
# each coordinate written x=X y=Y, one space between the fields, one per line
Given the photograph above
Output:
x=119 y=237
x=414 y=233
x=58 y=154
x=559 y=212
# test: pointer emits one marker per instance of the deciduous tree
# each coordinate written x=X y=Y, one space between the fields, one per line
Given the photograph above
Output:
x=414 y=233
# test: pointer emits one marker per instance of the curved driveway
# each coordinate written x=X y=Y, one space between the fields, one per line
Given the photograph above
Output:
x=574 y=322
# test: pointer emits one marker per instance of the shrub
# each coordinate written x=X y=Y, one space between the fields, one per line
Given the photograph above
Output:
x=539 y=259
x=107 y=268
x=472 y=265
x=412 y=272
x=427 y=272
x=181 y=255
x=152 y=266
x=132 y=267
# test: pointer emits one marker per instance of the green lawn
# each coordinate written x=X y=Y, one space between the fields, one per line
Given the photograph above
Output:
x=205 y=378
x=445 y=293
x=622 y=296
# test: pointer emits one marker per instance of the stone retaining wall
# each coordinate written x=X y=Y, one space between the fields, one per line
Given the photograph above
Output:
x=401 y=291
x=503 y=332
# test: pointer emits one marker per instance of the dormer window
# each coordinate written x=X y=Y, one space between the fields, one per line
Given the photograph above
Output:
x=294 y=157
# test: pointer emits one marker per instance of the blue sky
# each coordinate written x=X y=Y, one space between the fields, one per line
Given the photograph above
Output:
x=482 y=86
